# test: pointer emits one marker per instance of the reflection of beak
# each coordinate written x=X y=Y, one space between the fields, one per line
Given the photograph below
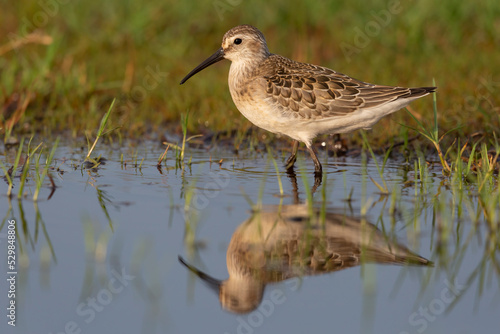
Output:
x=212 y=283
x=217 y=56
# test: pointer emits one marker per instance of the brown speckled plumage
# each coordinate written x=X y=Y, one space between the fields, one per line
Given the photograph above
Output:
x=310 y=91
x=301 y=100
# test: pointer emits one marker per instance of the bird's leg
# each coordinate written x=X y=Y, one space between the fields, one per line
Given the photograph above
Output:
x=318 y=170
x=291 y=160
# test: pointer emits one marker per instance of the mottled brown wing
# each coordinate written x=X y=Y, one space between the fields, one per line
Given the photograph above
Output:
x=309 y=91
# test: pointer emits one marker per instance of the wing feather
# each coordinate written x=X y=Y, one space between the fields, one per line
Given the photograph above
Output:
x=314 y=91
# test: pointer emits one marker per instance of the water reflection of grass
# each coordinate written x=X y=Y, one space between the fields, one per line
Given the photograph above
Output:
x=24 y=235
x=463 y=210
x=460 y=210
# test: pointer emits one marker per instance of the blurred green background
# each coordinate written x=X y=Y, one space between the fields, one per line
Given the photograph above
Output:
x=62 y=62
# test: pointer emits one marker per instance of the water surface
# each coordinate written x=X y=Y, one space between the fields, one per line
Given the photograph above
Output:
x=103 y=252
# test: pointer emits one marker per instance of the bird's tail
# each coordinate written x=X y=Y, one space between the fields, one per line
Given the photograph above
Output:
x=421 y=91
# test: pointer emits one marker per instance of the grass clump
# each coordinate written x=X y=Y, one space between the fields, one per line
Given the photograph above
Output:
x=100 y=133
x=432 y=134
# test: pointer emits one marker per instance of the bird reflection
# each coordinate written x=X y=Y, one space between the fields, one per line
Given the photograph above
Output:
x=282 y=242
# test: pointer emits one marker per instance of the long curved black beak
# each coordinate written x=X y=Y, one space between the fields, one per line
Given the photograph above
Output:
x=212 y=283
x=216 y=57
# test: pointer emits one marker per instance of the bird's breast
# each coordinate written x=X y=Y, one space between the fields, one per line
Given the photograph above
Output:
x=249 y=93
x=252 y=103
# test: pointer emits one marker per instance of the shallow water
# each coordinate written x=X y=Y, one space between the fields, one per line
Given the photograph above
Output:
x=103 y=252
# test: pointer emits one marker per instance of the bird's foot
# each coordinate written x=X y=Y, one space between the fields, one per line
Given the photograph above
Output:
x=318 y=173
x=290 y=162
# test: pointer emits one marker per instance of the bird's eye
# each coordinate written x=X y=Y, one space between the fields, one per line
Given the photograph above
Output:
x=237 y=41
